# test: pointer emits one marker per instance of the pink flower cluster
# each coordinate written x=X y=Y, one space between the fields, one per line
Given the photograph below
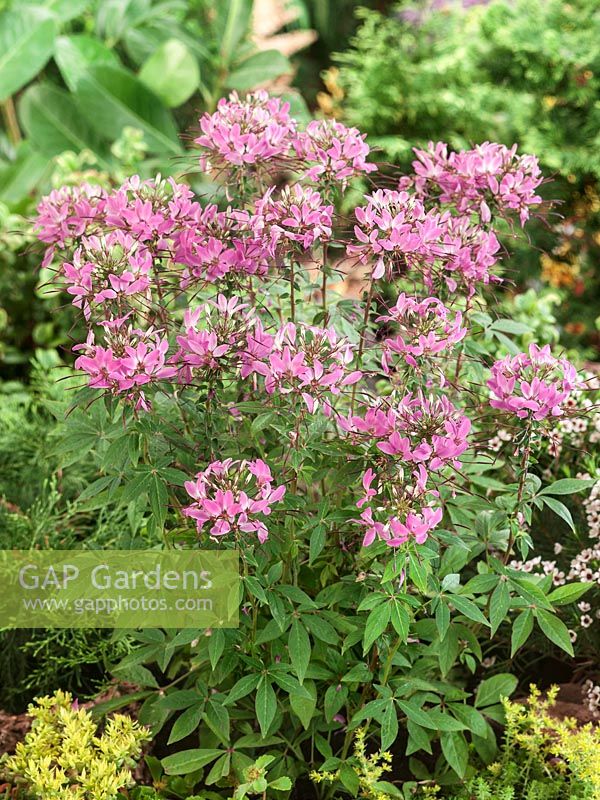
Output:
x=132 y=360
x=490 y=176
x=110 y=269
x=213 y=244
x=304 y=359
x=532 y=385
x=232 y=497
x=405 y=514
x=216 y=345
x=417 y=430
x=425 y=328
x=338 y=153
x=397 y=233
x=64 y=214
x=298 y=216
x=255 y=130
x=256 y=135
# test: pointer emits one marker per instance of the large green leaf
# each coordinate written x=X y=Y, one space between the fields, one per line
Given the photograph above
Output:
x=257 y=69
x=26 y=42
x=66 y=10
x=19 y=177
x=53 y=122
x=112 y=98
x=189 y=761
x=171 y=72
x=75 y=54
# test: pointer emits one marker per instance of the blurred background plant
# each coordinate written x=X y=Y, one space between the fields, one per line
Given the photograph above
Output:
x=524 y=71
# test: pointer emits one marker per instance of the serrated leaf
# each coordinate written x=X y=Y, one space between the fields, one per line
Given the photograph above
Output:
x=455 y=750
x=265 y=705
x=186 y=723
x=554 y=629
x=389 y=726
x=491 y=690
x=499 y=605
x=377 y=622
x=521 y=630
x=569 y=593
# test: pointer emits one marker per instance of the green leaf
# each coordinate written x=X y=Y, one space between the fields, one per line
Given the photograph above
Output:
x=455 y=750
x=469 y=717
x=188 y=761
x=389 y=726
x=186 y=723
x=66 y=10
x=568 y=486
x=416 y=714
x=321 y=630
x=259 y=68
x=499 y=605
x=521 y=630
x=317 y=542
x=554 y=629
x=75 y=54
x=442 y=618
x=299 y=648
x=26 y=42
x=560 y=510
x=236 y=24
x=216 y=645
x=377 y=622
x=265 y=705
x=335 y=698
x=303 y=704
x=217 y=718
x=112 y=99
x=467 y=607
x=569 y=593
x=491 y=690
x=171 y=72
x=242 y=688
x=53 y=122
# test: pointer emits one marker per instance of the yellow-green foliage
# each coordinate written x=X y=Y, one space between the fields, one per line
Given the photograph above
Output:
x=64 y=758
x=367 y=768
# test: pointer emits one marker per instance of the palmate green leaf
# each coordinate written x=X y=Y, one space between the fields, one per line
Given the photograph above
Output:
x=265 y=705
x=455 y=750
x=299 y=648
x=75 y=54
x=26 y=41
x=186 y=723
x=499 y=605
x=569 y=593
x=491 y=690
x=568 y=486
x=389 y=725
x=521 y=630
x=112 y=98
x=554 y=629
x=377 y=622
x=560 y=510
x=188 y=761
x=171 y=72
x=303 y=703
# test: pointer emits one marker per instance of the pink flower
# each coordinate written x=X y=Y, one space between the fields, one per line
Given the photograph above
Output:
x=219 y=342
x=66 y=213
x=339 y=153
x=242 y=133
x=402 y=512
x=426 y=328
x=232 y=497
x=298 y=216
x=473 y=180
x=533 y=384
x=302 y=359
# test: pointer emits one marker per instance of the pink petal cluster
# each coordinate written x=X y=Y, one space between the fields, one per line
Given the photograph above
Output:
x=425 y=328
x=232 y=497
x=107 y=270
x=65 y=214
x=297 y=215
x=214 y=337
x=213 y=244
x=336 y=153
x=406 y=513
x=532 y=385
x=252 y=131
x=133 y=359
x=417 y=430
x=490 y=176
x=304 y=359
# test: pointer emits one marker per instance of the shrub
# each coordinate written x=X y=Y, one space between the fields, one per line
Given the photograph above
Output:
x=236 y=401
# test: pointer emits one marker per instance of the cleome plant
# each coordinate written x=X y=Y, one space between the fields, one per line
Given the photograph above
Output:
x=235 y=395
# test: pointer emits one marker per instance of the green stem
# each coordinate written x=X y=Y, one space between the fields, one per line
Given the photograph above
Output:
x=361 y=344
x=10 y=118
